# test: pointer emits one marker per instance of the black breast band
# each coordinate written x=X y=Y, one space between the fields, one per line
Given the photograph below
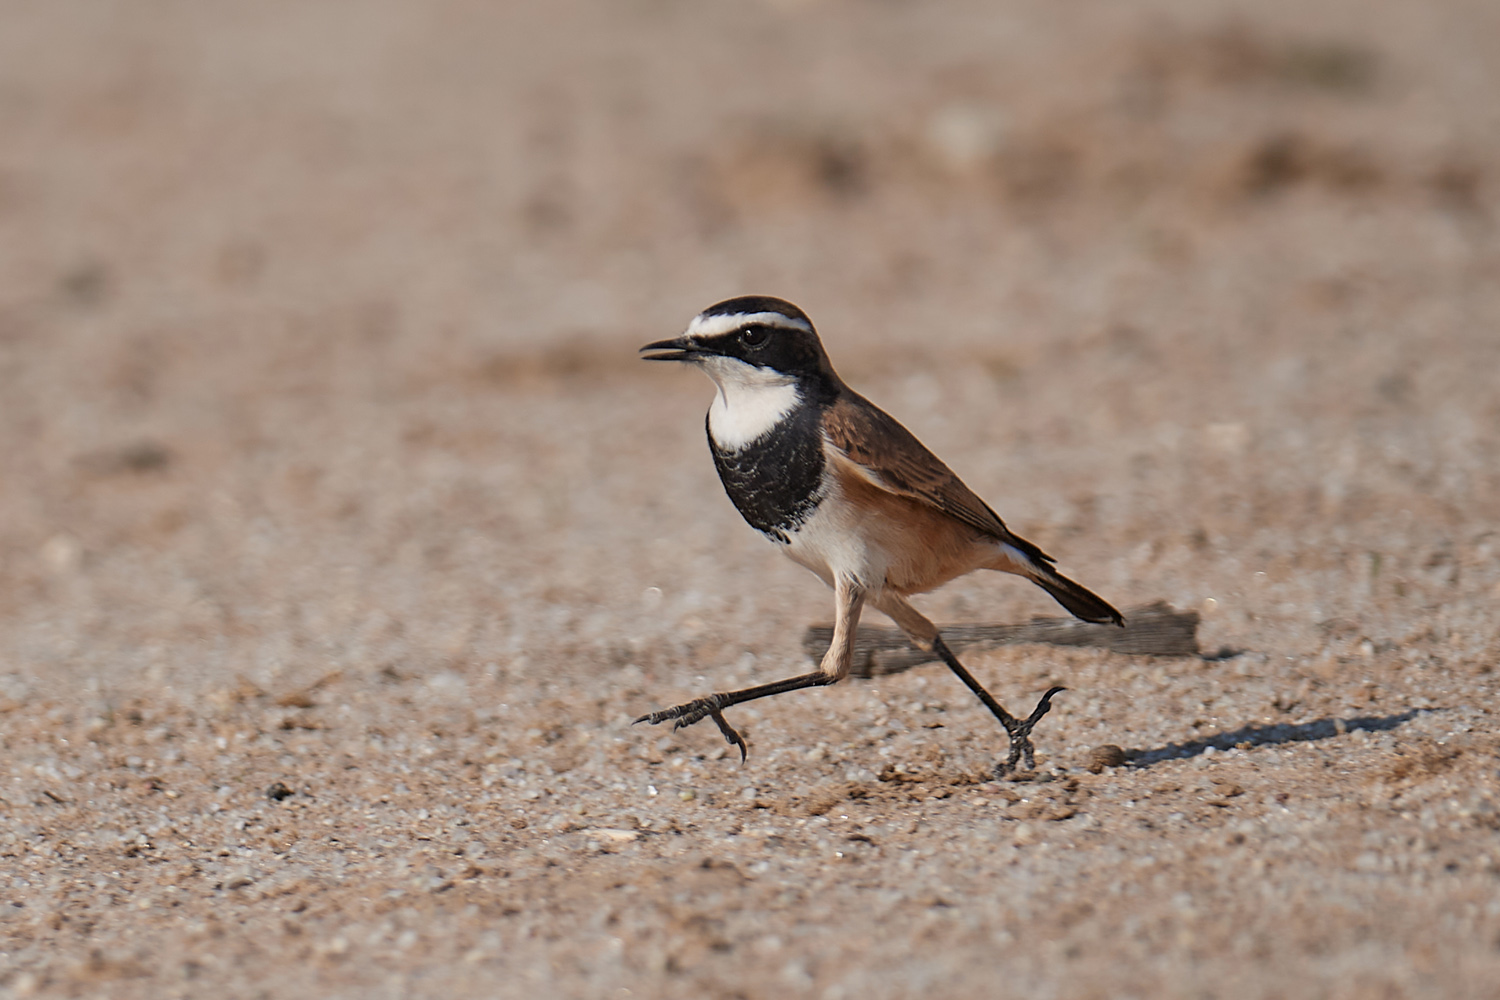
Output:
x=775 y=481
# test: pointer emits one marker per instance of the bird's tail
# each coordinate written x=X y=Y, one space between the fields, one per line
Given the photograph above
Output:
x=1034 y=564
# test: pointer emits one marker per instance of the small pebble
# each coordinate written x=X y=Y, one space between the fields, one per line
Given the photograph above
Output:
x=618 y=836
x=1104 y=756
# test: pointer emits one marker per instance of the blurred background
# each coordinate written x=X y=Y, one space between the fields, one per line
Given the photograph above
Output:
x=318 y=320
x=326 y=462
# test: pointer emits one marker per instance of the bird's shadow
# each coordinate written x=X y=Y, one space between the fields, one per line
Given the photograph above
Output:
x=1273 y=735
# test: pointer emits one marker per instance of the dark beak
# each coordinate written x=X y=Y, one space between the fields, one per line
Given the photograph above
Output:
x=679 y=349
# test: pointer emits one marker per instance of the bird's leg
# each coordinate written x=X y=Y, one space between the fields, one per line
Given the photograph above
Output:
x=712 y=707
x=1019 y=730
x=926 y=636
x=835 y=666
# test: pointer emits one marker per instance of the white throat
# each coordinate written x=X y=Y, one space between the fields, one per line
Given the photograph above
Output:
x=750 y=402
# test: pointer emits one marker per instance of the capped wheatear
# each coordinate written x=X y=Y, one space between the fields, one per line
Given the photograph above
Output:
x=849 y=493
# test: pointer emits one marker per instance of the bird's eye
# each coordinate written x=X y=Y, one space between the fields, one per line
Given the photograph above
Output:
x=754 y=336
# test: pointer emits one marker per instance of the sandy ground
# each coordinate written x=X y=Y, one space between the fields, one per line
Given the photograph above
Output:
x=341 y=533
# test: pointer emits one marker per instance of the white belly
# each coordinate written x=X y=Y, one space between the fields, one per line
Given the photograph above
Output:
x=832 y=544
x=884 y=541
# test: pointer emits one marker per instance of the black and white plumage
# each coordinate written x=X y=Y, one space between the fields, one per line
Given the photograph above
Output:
x=849 y=493
x=776 y=481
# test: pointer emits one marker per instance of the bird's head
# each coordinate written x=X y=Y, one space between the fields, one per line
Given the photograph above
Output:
x=748 y=341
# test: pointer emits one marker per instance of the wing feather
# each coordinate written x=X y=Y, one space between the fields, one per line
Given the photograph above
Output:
x=891 y=457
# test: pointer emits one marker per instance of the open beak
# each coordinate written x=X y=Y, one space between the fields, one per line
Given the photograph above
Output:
x=679 y=349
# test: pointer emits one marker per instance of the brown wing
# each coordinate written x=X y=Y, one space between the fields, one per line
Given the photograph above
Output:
x=892 y=458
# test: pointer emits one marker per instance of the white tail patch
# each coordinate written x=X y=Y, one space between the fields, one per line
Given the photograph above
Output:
x=1010 y=559
x=750 y=402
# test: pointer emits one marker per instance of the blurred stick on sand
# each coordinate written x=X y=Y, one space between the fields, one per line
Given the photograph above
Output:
x=1151 y=630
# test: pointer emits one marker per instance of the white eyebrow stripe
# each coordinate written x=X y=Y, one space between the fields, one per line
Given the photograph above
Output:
x=714 y=326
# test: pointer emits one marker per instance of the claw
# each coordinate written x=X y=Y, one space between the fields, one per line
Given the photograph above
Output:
x=1019 y=731
x=1042 y=707
x=694 y=712
x=712 y=707
x=731 y=737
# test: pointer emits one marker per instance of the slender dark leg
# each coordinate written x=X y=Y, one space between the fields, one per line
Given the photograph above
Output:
x=925 y=635
x=1019 y=730
x=712 y=707
x=835 y=667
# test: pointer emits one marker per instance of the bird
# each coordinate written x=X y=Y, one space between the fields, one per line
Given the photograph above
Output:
x=846 y=491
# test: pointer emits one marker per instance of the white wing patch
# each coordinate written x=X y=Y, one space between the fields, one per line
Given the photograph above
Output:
x=750 y=402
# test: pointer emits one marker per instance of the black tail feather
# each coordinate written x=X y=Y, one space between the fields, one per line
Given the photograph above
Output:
x=1079 y=600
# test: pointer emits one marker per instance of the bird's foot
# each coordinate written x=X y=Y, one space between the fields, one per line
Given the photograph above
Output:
x=696 y=711
x=1019 y=731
